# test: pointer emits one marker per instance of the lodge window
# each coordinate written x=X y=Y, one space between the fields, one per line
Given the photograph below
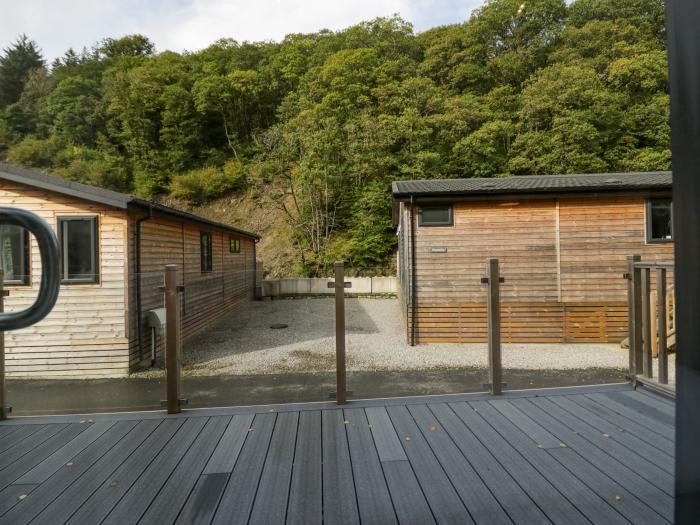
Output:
x=659 y=220
x=79 y=241
x=14 y=254
x=435 y=216
x=234 y=244
x=205 y=251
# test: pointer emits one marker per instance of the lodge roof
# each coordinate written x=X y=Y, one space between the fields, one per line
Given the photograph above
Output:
x=111 y=198
x=533 y=184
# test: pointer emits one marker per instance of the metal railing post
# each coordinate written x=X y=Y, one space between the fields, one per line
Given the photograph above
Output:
x=647 y=367
x=661 y=330
x=494 y=280
x=341 y=379
x=172 y=340
x=4 y=409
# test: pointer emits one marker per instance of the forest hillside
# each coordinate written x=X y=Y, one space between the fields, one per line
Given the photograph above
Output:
x=299 y=140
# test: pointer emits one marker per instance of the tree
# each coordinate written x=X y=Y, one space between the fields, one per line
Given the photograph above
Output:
x=16 y=63
x=127 y=46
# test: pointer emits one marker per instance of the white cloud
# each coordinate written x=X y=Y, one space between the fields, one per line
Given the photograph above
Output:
x=193 y=24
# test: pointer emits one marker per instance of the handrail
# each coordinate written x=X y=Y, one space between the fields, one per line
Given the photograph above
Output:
x=50 y=276
x=651 y=320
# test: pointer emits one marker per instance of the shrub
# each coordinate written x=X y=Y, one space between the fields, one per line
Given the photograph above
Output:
x=33 y=152
x=201 y=185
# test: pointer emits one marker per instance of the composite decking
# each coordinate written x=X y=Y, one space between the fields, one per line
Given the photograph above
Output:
x=585 y=455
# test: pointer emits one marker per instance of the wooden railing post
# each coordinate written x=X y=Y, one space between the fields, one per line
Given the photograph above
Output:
x=172 y=340
x=647 y=366
x=4 y=408
x=340 y=376
x=494 y=280
x=661 y=325
x=635 y=317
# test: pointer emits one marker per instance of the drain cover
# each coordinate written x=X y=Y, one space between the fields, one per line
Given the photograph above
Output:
x=278 y=326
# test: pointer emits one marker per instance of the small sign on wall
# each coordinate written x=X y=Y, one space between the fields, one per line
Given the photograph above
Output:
x=438 y=249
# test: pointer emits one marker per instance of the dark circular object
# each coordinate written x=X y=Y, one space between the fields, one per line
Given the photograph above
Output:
x=278 y=326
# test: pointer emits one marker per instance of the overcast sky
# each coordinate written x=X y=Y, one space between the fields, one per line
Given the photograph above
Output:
x=177 y=25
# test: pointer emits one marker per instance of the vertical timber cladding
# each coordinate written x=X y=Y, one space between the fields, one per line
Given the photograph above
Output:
x=208 y=295
x=562 y=259
x=85 y=334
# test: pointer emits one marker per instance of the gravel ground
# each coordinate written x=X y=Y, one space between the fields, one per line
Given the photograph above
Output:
x=245 y=343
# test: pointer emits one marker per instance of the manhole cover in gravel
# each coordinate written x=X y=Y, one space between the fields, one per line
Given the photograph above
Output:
x=278 y=326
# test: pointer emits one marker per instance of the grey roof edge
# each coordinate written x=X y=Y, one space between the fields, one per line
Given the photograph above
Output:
x=663 y=181
x=115 y=199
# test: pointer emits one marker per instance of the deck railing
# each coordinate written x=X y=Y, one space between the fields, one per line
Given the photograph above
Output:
x=651 y=321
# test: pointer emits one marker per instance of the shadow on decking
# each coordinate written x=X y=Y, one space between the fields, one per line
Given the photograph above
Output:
x=593 y=454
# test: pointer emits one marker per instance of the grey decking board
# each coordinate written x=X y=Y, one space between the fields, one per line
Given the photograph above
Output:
x=624 y=423
x=542 y=437
x=27 y=509
x=46 y=468
x=270 y=506
x=663 y=429
x=657 y=456
x=641 y=390
x=642 y=407
x=543 y=493
x=10 y=497
x=475 y=494
x=373 y=498
x=27 y=444
x=634 y=509
x=510 y=495
x=224 y=457
x=588 y=503
x=666 y=409
x=641 y=487
x=39 y=453
x=387 y=442
x=445 y=503
x=305 y=505
x=175 y=491
x=70 y=500
x=238 y=497
x=139 y=495
x=339 y=499
x=407 y=496
x=81 y=484
x=20 y=434
x=203 y=500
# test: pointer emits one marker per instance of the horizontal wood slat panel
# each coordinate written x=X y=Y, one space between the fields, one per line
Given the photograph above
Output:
x=522 y=322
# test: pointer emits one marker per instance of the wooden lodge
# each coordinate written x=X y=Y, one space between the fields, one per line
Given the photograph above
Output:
x=562 y=242
x=114 y=248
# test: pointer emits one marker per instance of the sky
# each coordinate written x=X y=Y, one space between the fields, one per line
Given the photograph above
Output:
x=177 y=25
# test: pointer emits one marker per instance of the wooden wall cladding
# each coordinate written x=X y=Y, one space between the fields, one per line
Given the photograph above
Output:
x=562 y=259
x=522 y=323
x=85 y=334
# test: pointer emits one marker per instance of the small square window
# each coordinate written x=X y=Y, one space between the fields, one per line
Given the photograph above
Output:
x=659 y=220
x=435 y=216
x=78 y=238
x=206 y=251
x=234 y=244
x=14 y=254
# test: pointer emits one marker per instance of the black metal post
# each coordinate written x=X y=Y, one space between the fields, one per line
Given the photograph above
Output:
x=683 y=20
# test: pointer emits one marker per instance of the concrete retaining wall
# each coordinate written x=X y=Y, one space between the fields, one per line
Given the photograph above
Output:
x=319 y=286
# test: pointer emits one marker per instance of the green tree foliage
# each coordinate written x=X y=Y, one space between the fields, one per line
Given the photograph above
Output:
x=16 y=63
x=318 y=125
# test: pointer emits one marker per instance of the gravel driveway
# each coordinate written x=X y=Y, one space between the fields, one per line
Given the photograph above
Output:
x=244 y=343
